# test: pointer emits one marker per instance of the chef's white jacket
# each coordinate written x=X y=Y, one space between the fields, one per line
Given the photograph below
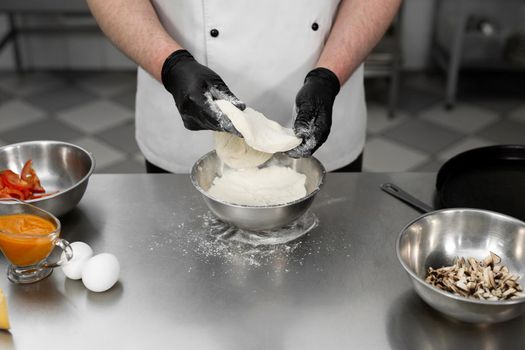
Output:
x=263 y=51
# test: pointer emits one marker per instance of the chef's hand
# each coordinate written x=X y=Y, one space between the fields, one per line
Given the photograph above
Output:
x=313 y=105
x=195 y=88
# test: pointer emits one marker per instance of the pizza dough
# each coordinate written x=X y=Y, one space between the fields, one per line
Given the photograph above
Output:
x=233 y=151
x=259 y=132
x=244 y=183
x=259 y=187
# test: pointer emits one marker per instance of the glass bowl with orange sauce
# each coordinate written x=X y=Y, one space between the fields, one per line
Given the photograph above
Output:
x=28 y=235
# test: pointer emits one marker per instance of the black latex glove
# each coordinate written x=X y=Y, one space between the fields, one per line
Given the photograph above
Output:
x=195 y=88
x=313 y=105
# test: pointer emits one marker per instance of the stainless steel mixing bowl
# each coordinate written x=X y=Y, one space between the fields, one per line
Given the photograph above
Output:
x=438 y=237
x=254 y=218
x=61 y=167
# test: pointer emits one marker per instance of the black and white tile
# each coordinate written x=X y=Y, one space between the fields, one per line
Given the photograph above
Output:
x=96 y=110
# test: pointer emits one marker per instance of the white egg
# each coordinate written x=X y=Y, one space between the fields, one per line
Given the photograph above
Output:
x=101 y=272
x=81 y=253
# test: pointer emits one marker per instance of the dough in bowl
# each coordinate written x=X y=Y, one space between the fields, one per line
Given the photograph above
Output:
x=273 y=185
x=259 y=132
x=246 y=184
x=233 y=151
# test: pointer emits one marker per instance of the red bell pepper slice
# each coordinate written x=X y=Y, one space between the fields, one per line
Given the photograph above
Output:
x=9 y=192
x=12 y=180
x=22 y=187
x=29 y=175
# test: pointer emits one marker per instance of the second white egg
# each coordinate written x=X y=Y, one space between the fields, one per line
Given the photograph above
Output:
x=101 y=272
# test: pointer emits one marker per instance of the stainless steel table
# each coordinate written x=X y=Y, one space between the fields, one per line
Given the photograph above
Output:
x=340 y=286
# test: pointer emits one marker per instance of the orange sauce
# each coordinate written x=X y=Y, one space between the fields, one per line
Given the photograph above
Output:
x=21 y=249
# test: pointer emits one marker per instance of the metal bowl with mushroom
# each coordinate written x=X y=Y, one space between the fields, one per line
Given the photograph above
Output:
x=255 y=218
x=437 y=239
x=63 y=168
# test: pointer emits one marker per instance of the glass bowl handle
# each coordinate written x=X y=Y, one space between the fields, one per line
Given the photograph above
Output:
x=68 y=253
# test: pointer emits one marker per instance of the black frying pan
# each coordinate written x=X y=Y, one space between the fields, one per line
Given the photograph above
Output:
x=491 y=178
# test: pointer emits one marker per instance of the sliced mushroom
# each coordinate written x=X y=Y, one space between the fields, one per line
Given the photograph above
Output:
x=480 y=279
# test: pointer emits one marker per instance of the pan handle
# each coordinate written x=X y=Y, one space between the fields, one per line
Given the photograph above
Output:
x=397 y=192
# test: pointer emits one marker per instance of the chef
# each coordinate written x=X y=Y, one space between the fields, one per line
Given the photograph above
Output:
x=284 y=58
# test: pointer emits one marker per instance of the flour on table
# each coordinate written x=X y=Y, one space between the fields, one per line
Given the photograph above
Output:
x=233 y=151
x=259 y=132
x=259 y=187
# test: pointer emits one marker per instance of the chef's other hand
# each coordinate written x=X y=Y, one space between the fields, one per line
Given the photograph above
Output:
x=195 y=88
x=313 y=105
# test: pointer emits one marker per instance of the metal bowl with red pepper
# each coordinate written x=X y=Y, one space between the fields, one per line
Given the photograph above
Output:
x=52 y=175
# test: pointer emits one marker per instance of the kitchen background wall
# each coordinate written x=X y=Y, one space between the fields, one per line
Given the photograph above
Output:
x=93 y=51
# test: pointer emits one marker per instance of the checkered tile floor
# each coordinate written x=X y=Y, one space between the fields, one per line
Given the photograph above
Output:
x=95 y=110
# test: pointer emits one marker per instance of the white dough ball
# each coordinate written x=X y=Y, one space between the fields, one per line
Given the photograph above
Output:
x=101 y=272
x=81 y=253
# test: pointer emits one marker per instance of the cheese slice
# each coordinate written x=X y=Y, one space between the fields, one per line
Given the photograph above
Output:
x=4 y=318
